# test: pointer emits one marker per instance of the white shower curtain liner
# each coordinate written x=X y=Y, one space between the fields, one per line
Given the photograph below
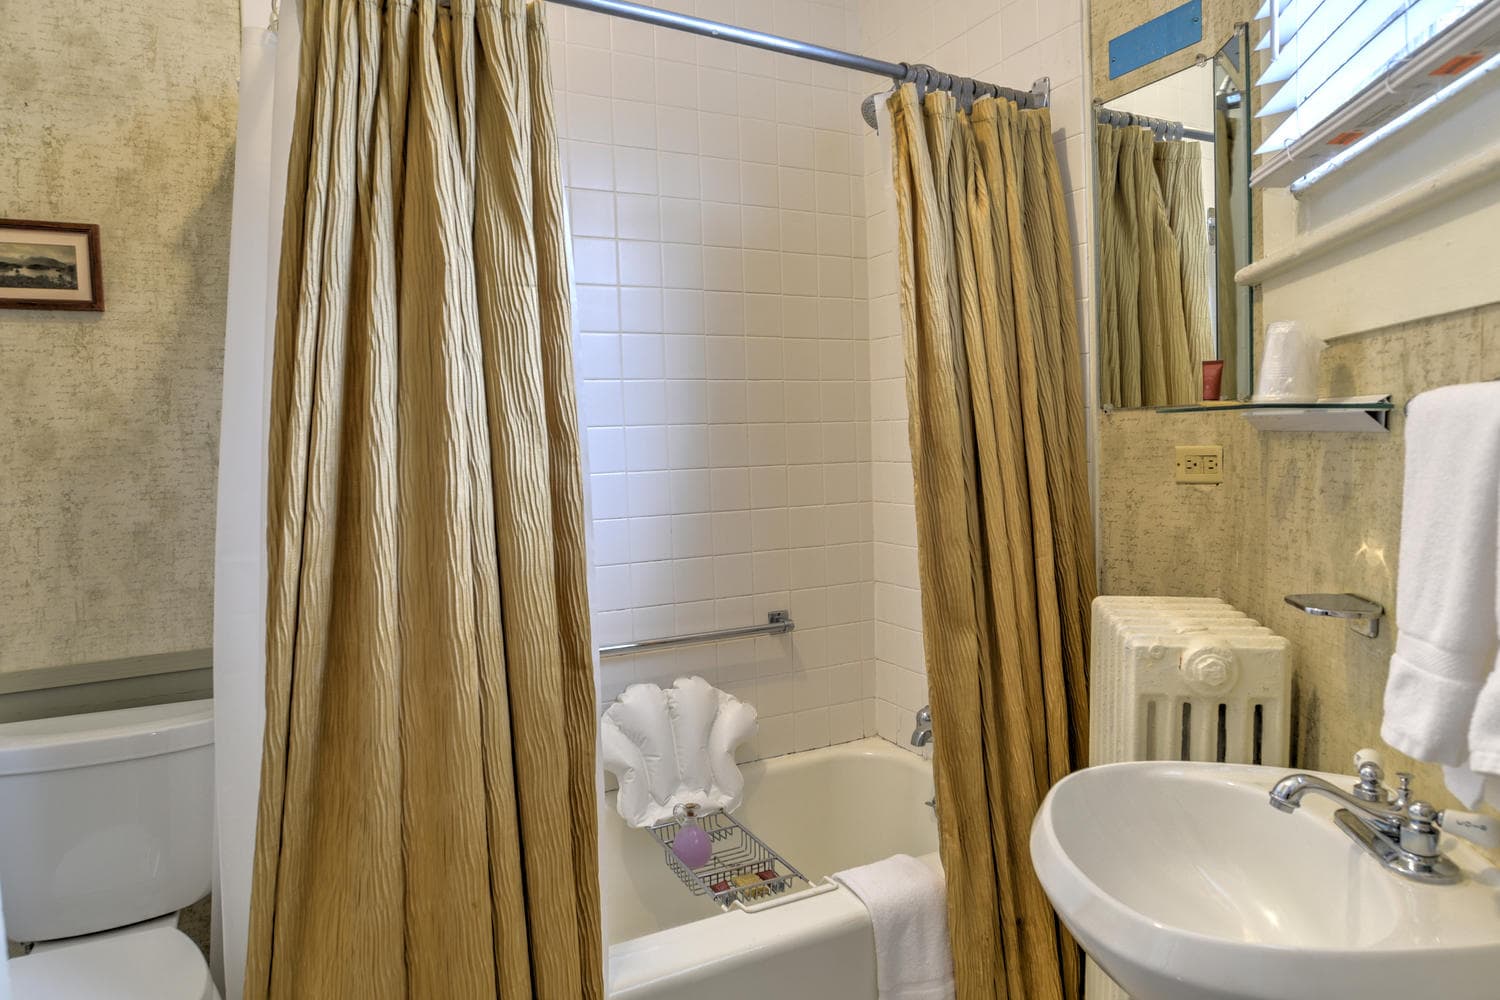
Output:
x=268 y=95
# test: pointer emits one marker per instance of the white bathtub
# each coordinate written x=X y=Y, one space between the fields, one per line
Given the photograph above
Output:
x=824 y=811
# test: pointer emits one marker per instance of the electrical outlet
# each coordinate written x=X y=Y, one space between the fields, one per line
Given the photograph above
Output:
x=1200 y=463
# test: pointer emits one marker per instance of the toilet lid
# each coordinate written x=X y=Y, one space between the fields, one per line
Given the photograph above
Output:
x=158 y=964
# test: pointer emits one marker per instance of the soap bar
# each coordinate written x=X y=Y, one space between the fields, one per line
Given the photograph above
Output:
x=747 y=879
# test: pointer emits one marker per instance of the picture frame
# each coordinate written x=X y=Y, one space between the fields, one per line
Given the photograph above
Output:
x=50 y=265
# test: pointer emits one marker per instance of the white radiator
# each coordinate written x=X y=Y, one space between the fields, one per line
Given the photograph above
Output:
x=1184 y=678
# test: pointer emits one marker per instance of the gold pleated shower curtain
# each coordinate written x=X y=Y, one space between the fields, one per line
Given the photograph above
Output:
x=994 y=389
x=427 y=819
x=1154 y=329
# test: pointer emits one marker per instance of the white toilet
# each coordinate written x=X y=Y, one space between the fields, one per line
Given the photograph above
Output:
x=106 y=831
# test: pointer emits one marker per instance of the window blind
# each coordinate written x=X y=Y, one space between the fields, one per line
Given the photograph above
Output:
x=1337 y=70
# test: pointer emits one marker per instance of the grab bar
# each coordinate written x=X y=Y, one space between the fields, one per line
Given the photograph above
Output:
x=777 y=623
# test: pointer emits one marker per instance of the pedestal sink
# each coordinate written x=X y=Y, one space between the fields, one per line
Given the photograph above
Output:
x=1184 y=884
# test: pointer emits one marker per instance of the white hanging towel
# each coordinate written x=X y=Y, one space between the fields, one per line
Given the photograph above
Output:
x=908 y=906
x=1442 y=699
x=671 y=747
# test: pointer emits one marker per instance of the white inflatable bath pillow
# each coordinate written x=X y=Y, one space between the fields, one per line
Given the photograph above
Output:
x=675 y=746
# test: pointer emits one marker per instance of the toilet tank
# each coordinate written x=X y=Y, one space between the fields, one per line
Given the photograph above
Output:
x=106 y=819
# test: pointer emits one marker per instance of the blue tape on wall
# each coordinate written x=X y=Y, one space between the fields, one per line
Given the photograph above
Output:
x=1176 y=29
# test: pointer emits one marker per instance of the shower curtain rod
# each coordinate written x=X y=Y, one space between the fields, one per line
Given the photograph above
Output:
x=925 y=77
x=1160 y=126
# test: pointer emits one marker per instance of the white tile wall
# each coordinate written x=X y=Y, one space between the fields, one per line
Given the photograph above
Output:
x=716 y=200
x=1010 y=44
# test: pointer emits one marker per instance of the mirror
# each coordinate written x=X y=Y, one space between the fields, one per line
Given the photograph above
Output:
x=1172 y=172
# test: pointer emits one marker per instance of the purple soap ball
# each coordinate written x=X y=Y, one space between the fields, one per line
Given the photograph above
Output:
x=692 y=846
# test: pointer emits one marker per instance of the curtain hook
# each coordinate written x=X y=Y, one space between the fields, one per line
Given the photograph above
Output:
x=924 y=81
x=966 y=94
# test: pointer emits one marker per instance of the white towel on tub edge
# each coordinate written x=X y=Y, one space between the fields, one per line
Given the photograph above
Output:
x=908 y=907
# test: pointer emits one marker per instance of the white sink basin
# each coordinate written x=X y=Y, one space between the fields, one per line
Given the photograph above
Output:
x=1183 y=883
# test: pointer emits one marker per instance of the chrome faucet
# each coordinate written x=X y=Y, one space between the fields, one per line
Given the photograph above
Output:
x=1400 y=831
x=922 y=735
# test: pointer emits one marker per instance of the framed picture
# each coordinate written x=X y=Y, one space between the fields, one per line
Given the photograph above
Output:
x=50 y=265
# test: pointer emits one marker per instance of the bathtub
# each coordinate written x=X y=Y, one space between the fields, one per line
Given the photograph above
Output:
x=824 y=811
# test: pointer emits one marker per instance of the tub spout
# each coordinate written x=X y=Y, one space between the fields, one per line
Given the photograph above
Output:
x=922 y=735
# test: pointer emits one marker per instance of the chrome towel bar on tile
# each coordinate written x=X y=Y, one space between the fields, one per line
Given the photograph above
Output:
x=777 y=623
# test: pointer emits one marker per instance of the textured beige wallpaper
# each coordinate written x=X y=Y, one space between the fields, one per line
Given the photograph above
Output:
x=121 y=113
x=1297 y=513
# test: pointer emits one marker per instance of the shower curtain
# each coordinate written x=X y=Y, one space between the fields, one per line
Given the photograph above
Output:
x=1153 y=325
x=994 y=390
x=426 y=822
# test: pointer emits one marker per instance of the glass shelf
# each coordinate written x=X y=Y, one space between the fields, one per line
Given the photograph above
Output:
x=1356 y=414
x=1370 y=403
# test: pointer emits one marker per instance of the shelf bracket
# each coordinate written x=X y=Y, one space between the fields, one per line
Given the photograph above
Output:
x=1375 y=419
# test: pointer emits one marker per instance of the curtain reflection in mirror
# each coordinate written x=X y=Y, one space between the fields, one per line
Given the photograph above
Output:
x=1154 y=325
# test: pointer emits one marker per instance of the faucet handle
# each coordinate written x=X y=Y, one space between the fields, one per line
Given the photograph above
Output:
x=1473 y=827
x=1368 y=757
x=1368 y=765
